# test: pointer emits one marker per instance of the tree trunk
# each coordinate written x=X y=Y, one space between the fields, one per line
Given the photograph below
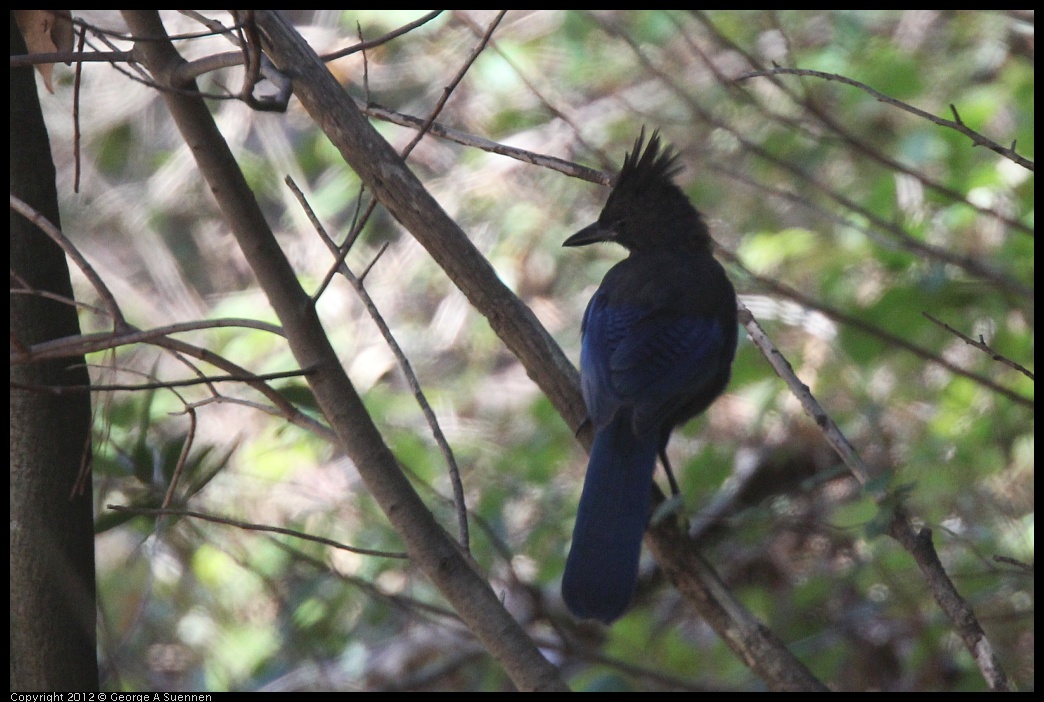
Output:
x=52 y=534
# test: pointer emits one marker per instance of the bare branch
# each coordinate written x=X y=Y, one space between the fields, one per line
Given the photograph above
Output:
x=71 y=346
x=119 y=323
x=160 y=384
x=250 y=526
x=394 y=34
x=955 y=124
x=892 y=339
x=919 y=545
x=427 y=543
x=982 y=346
x=448 y=90
x=404 y=363
x=813 y=409
x=398 y=190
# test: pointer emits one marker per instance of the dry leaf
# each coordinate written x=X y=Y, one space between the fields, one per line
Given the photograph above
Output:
x=45 y=32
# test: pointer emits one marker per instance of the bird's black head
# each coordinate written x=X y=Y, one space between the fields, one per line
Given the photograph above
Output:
x=645 y=208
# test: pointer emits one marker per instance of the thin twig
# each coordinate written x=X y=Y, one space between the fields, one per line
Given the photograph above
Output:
x=973 y=265
x=785 y=371
x=394 y=34
x=874 y=226
x=569 y=168
x=404 y=363
x=81 y=344
x=536 y=92
x=888 y=337
x=77 y=81
x=179 y=468
x=918 y=543
x=812 y=107
x=982 y=346
x=956 y=124
x=79 y=56
x=56 y=235
x=159 y=384
x=448 y=90
x=256 y=527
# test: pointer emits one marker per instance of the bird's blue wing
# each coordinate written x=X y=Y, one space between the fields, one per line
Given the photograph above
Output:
x=604 y=328
x=650 y=361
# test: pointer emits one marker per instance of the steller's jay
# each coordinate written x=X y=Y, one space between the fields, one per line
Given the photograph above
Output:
x=658 y=339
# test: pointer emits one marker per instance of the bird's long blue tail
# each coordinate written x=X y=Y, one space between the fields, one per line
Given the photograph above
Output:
x=602 y=566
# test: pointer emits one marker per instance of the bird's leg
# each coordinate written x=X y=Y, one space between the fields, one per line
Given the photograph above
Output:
x=670 y=473
x=583 y=424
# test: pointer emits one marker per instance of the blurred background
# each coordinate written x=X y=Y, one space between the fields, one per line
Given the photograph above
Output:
x=841 y=219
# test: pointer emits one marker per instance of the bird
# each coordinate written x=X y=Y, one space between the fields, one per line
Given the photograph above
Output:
x=657 y=344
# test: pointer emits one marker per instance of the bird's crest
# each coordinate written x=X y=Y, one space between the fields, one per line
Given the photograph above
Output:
x=653 y=166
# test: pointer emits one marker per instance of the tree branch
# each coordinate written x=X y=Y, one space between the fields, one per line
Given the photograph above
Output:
x=383 y=172
x=957 y=124
x=427 y=543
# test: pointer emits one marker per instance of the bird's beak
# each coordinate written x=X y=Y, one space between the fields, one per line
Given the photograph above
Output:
x=590 y=234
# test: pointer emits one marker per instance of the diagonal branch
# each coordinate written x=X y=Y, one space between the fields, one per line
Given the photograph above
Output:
x=384 y=173
x=427 y=543
x=957 y=124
